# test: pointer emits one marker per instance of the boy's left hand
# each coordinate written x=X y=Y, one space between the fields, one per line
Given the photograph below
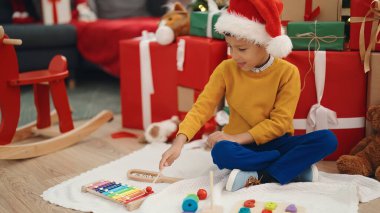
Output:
x=219 y=136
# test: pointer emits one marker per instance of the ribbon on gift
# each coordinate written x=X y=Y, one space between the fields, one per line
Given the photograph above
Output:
x=212 y=10
x=365 y=53
x=320 y=117
x=181 y=46
x=313 y=36
x=147 y=87
x=311 y=14
x=55 y=12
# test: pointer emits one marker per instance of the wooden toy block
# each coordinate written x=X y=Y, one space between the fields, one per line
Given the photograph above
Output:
x=270 y=206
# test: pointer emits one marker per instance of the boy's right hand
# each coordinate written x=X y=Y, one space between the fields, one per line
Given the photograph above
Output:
x=173 y=152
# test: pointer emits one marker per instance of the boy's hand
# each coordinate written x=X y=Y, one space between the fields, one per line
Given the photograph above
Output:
x=173 y=152
x=219 y=136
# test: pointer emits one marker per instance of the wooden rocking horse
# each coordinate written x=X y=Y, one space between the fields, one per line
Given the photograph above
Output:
x=51 y=81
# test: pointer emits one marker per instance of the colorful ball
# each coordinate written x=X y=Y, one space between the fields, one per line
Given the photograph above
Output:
x=202 y=194
x=148 y=189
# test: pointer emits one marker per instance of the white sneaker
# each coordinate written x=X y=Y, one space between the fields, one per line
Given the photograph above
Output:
x=311 y=174
x=239 y=179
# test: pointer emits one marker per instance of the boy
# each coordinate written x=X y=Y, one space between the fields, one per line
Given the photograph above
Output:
x=262 y=92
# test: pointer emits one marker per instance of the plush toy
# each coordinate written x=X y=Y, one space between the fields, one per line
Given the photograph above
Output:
x=364 y=158
x=175 y=22
x=83 y=12
x=20 y=14
x=161 y=131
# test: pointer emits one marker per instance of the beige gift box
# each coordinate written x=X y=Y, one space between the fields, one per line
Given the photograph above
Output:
x=294 y=10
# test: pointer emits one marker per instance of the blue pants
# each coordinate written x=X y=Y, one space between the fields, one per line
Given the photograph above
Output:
x=283 y=158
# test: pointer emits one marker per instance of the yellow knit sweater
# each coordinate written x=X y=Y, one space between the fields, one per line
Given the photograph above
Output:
x=262 y=104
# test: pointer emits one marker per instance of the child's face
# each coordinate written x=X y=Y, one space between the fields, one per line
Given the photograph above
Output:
x=246 y=54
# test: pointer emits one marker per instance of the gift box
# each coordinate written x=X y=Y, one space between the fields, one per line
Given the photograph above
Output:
x=148 y=77
x=333 y=96
x=309 y=10
x=362 y=15
x=316 y=35
x=373 y=90
x=202 y=24
x=199 y=58
x=56 y=11
x=186 y=98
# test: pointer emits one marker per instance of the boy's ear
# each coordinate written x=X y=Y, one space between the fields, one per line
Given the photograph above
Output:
x=179 y=7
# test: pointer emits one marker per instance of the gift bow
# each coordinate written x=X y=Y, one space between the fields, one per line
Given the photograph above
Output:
x=320 y=117
x=365 y=54
x=311 y=14
x=313 y=36
x=147 y=87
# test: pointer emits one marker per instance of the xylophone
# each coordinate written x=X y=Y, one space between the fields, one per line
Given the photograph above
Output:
x=129 y=196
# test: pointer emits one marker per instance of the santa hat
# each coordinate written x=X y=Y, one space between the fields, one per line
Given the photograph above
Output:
x=257 y=21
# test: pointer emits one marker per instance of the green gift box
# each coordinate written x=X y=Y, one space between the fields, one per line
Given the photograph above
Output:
x=198 y=24
x=316 y=35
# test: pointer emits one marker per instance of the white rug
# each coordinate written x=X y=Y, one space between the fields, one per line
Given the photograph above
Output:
x=334 y=193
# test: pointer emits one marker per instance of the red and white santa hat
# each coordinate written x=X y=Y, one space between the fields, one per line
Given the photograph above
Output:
x=258 y=21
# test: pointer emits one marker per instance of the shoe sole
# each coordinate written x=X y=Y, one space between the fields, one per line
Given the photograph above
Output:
x=314 y=170
x=231 y=179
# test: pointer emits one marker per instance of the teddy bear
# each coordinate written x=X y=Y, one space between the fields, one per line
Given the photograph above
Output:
x=364 y=158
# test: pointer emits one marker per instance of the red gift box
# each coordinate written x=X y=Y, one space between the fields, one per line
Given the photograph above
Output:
x=202 y=55
x=344 y=92
x=137 y=111
x=359 y=10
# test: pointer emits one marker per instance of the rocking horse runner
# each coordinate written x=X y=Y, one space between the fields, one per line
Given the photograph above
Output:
x=44 y=82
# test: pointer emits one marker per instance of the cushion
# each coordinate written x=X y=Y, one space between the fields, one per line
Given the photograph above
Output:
x=5 y=12
x=114 y=9
x=156 y=7
x=36 y=36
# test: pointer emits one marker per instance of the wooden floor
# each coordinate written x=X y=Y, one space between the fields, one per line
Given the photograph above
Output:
x=23 y=181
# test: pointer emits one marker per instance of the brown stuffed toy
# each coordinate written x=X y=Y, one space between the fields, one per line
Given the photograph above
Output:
x=364 y=158
x=175 y=22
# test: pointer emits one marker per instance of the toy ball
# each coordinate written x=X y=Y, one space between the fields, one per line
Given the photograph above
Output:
x=202 y=194
x=148 y=189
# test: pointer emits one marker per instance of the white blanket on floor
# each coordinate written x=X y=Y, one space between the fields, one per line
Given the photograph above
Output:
x=333 y=193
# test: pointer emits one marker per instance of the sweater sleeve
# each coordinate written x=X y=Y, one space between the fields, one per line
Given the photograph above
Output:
x=280 y=119
x=205 y=106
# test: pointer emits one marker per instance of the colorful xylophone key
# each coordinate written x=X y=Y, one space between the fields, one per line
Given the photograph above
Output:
x=129 y=196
